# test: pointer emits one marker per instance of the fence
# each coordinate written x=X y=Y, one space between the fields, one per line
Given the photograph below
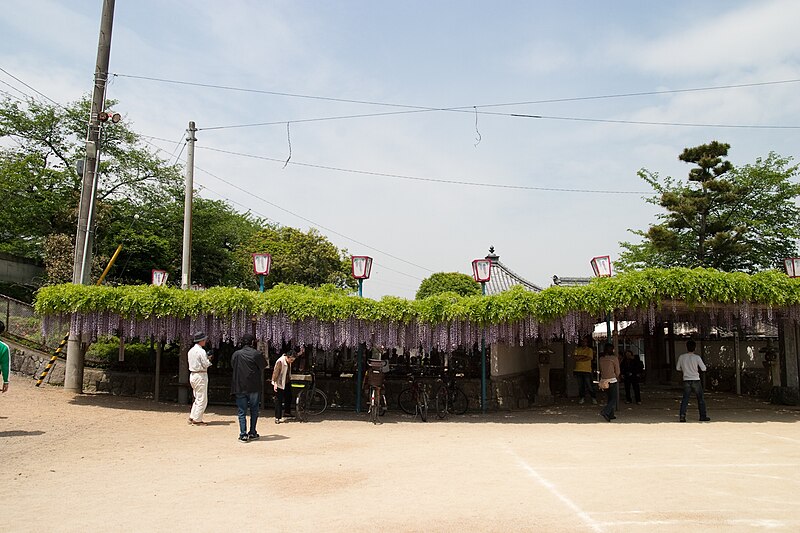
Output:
x=23 y=323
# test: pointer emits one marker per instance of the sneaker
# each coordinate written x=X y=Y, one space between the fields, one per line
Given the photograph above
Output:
x=594 y=402
x=581 y=400
x=683 y=419
x=705 y=419
x=278 y=420
x=253 y=436
x=244 y=438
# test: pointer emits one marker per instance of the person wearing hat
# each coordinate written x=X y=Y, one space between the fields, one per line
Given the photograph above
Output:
x=5 y=358
x=199 y=362
x=248 y=366
x=282 y=384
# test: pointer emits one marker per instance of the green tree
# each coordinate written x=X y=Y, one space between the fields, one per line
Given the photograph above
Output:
x=732 y=219
x=440 y=282
x=40 y=188
x=297 y=258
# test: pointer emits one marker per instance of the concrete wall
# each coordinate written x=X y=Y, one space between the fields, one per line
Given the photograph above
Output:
x=18 y=270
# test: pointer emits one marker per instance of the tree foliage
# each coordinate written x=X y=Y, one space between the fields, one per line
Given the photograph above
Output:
x=303 y=258
x=732 y=219
x=442 y=282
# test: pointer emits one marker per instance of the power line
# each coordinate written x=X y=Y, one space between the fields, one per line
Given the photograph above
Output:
x=474 y=108
x=424 y=179
x=29 y=87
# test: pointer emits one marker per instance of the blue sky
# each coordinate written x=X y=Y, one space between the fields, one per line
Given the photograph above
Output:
x=390 y=196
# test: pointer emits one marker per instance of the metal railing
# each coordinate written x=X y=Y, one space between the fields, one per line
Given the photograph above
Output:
x=23 y=323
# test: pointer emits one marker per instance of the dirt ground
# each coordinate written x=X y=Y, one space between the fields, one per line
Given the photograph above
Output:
x=105 y=463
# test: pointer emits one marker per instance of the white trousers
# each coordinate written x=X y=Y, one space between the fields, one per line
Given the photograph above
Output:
x=199 y=383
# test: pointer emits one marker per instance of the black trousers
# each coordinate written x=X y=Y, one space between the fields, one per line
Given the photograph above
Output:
x=283 y=401
x=635 y=383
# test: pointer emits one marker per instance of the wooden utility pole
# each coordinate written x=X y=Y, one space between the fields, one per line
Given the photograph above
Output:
x=81 y=271
x=186 y=263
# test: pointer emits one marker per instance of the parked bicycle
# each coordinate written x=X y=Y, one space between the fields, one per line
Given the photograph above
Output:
x=414 y=399
x=377 y=398
x=449 y=397
x=311 y=401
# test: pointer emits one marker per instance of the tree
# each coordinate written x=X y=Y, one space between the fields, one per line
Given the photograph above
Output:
x=297 y=258
x=440 y=282
x=40 y=188
x=732 y=219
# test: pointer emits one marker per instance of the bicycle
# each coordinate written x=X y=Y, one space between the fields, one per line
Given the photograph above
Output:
x=376 y=397
x=414 y=399
x=450 y=398
x=311 y=401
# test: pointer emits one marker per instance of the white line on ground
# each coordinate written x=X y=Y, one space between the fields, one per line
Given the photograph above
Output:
x=584 y=516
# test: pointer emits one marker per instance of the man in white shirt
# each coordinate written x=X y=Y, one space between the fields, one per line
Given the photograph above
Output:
x=690 y=364
x=199 y=362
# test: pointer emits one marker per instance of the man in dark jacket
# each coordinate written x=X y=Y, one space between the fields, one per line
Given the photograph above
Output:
x=248 y=378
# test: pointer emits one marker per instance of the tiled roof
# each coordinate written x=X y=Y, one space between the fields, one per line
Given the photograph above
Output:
x=502 y=278
x=570 y=281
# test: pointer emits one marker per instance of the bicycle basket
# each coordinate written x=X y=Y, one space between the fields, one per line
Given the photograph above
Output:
x=375 y=378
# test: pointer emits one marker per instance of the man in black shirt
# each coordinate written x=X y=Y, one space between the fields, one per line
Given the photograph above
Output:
x=248 y=378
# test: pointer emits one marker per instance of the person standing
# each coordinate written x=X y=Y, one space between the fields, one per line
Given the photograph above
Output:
x=248 y=366
x=282 y=384
x=690 y=364
x=632 y=369
x=5 y=358
x=199 y=361
x=583 y=356
x=609 y=373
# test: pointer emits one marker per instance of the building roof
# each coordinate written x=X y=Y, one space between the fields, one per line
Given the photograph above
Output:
x=503 y=278
x=570 y=282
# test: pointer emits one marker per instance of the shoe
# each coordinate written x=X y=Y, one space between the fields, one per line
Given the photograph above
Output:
x=288 y=415
x=612 y=417
x=278 y=420
x=683 y=419
x=199 y=423
x=253 y=436
x=608 y=418
x=705 y=419
x=627 y=401
x=594 y=402
x=639 y=403
x=244 y=438
x=191 y=421
x=581 y=400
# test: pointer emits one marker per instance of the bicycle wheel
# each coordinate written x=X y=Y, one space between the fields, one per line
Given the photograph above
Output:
x=422 y=405
x=441 y=402
x=302 y=403
x=406 y=402
x=317 y=404
x=458 y=402
x=373 y=406
x=383 y=405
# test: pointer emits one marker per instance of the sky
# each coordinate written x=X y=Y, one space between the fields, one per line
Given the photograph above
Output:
x=401 y=121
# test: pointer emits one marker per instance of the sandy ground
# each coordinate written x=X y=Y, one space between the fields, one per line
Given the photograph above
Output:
x=104 y=463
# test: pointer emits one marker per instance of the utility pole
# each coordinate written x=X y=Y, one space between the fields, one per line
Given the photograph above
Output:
x=81 y=268
x=186 y=262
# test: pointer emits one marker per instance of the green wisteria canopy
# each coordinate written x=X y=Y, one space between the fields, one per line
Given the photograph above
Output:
x=331 y=318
